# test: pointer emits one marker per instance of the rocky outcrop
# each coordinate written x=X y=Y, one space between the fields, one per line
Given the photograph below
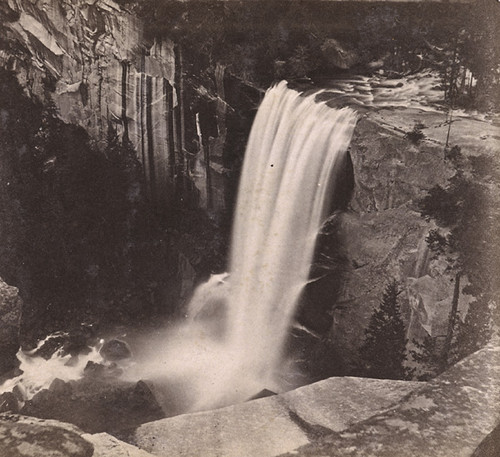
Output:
x=384 y=235
x=99 y=402
x=10 y=319
x=451 y=415
x=23 y=436
x=273 y=425
x=29 y=437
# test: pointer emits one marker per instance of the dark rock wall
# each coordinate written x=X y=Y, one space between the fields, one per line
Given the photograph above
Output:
x=10 y=319
x=91 y=59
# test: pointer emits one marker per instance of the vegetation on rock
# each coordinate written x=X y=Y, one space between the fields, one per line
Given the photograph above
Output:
x=466 y=211
x=79 y=238
x=383 y=352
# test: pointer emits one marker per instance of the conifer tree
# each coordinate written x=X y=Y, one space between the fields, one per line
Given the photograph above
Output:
x=383 y=352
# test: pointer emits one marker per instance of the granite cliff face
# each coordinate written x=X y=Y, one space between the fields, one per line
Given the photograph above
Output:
x=92 y=60
x=383 y=234
x=10 y=318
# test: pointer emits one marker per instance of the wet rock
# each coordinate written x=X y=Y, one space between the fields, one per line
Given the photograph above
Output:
x=115 y=350
x=10 y=316
x=96 y=405
x=315 y=356
x=19 y=393
x=50 y=346
x=101 y=371
x=59 y=387
x=72 y=343
x=8 y=403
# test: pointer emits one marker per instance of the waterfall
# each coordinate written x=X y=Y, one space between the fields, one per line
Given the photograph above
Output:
x=230 y=347
x=295 y=147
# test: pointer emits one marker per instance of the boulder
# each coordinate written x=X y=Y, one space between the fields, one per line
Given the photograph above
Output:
x=455 y=414
x=96 y=405
x=75 y=342
x=23 y=436
x=8 y=403
x=115 y=350
x=108 y=446
x=10 y=318
x=30 y=437
x=100 y=371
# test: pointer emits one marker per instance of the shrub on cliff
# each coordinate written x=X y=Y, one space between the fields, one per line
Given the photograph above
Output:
x=466 y=212
x=416 y=135
x=383 y=352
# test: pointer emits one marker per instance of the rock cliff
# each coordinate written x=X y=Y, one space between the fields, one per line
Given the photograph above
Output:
x=91 y=59
x=383 y=234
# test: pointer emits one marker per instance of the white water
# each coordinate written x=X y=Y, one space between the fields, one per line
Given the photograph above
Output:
x=38 y=373
x=238 y=325
x=231 y=345
x=288 y=176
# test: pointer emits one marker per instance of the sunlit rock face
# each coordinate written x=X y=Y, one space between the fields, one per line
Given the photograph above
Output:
x=92 y=60
x=274 y=425
x=383 y=236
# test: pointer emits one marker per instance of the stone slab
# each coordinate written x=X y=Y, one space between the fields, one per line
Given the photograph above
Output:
x=270 y=426
x=106 y=445
x=450 y=416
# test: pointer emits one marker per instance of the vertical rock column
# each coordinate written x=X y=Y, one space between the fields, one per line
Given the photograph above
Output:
x=152 y=122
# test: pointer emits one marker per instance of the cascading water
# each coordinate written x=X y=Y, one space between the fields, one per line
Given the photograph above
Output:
x=293 y=152
x=290 y=163
x=231 y=345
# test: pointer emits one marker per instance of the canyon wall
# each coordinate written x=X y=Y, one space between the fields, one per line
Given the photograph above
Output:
x=91 y=59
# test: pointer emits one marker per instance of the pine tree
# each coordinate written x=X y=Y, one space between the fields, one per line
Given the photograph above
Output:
x=383 y=352
x=475 y=331
x=466 y=212
x=427 y=355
